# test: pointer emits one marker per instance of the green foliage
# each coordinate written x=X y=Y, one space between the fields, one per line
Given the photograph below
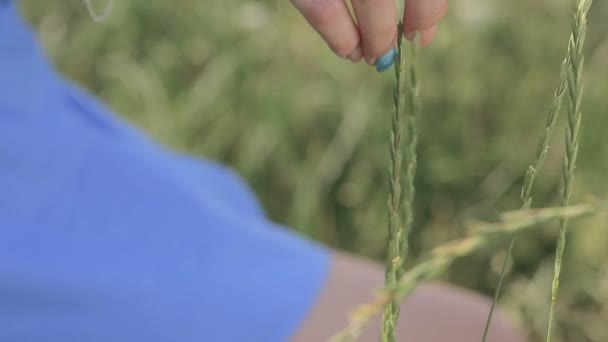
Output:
x=247 y=83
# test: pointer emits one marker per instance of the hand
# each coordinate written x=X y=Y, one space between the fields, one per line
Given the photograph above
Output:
x=375 y=34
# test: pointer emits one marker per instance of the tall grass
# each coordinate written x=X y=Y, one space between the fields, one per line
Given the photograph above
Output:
x=481 y=236
x=570 y=78
x=396 y=231
x=526 y=191
x=401 y=196
x=576 y=61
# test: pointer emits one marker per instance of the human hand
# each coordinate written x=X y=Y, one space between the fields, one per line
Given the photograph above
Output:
x=374 y=33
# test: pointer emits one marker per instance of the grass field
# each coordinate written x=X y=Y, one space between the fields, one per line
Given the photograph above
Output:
x=248 y=84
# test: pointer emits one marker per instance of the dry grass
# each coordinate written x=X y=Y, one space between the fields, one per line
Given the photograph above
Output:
x=483 y=235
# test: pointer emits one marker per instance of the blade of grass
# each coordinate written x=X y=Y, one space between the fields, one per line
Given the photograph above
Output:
x=526 y=191
x=575 y=94
x=402 y=196
x=411 y=144
x=396 y=234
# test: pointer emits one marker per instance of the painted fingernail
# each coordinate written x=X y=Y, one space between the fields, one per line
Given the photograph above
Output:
x=356 y=55
x=385 y=62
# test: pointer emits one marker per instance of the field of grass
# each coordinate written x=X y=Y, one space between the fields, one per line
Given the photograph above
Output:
x=248 y=84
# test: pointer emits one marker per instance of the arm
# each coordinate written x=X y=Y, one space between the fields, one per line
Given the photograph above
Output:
x=434 y=313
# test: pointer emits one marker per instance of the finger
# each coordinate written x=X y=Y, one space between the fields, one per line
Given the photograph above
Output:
x=421 y=15
x=427 y=35
x=377 y=21
x=332 y=20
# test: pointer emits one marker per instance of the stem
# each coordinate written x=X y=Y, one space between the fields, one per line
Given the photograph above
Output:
x=526 y=191
x=575 y=94
x=484 y=235
x=411 y=143
x=401 y=200
x=394 y=261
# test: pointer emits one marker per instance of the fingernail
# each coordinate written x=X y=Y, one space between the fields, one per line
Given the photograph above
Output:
x=356 y=55
x=385 y=62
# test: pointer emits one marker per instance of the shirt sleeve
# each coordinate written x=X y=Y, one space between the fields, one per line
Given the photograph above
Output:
x=106 y=236
x=126 y=250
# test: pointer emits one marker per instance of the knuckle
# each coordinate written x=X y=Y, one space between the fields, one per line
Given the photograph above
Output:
x=319 y=12
x=369 y=2
x=343 y=47
x=379 y=46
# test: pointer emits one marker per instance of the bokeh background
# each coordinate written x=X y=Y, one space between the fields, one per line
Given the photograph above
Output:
x=248 y=84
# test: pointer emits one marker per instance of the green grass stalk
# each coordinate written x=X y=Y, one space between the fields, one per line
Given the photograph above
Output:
x=411 y=145
x=526 y=191
x=575 y=95
x=396 y=236
x=401 y=197
x=482 y=236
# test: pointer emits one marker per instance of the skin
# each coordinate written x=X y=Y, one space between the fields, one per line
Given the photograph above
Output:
x=373 y=30
x=435 y=312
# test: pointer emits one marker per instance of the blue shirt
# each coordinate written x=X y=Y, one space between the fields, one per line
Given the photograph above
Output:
x=107 y=236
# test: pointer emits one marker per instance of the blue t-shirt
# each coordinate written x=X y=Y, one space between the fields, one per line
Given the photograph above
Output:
x=107 y=236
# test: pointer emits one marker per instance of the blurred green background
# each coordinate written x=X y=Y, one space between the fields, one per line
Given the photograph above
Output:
x=248 y=84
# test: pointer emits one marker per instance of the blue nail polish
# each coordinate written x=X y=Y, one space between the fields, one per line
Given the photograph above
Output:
x=385 y=62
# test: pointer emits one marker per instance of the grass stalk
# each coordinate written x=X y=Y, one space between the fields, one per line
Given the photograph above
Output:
x=575 y=93
x=401 y=197
x=482 y=236
x=396 y=236
x=526 y=191
x=411 y=145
